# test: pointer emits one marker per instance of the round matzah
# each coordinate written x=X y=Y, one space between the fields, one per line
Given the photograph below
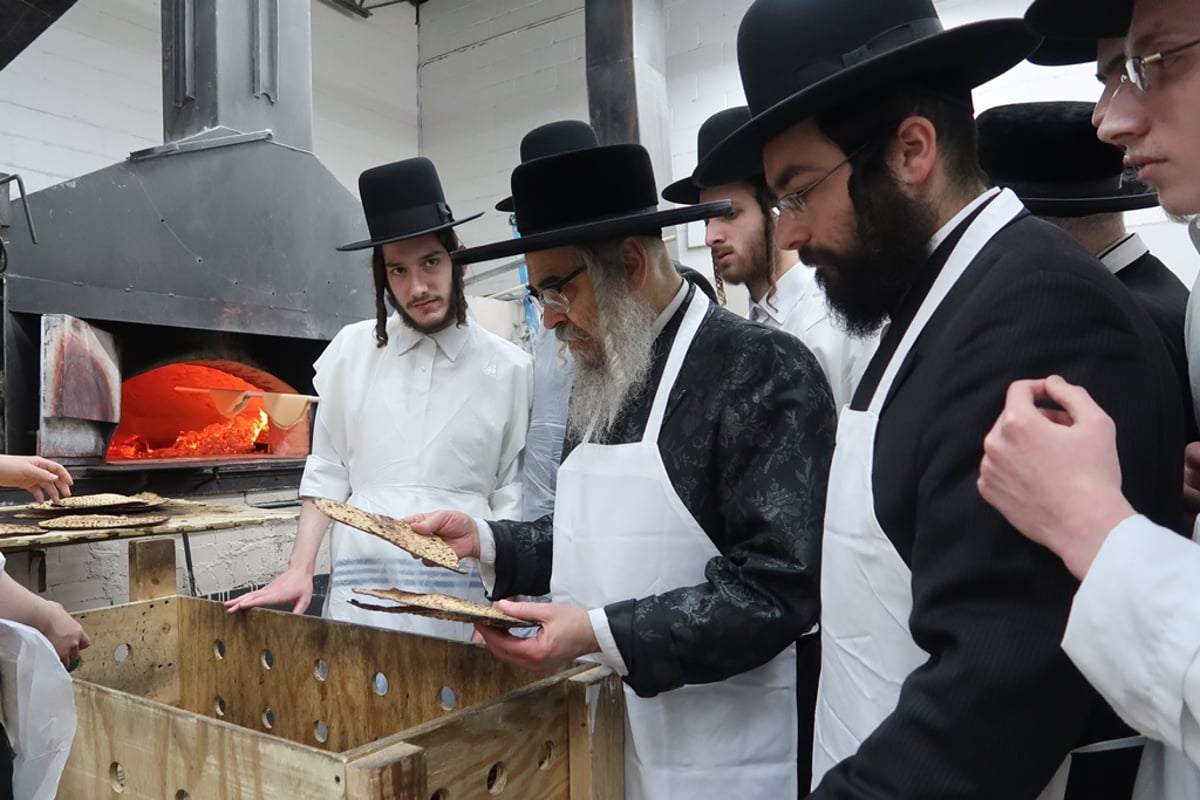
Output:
x=441 y=606
x=87 y=522
x=429 y=548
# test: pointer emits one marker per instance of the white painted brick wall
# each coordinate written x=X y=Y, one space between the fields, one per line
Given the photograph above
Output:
x=88 y=91
x=490 y=71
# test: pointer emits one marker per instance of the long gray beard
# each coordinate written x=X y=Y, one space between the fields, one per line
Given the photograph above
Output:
x=600 y=391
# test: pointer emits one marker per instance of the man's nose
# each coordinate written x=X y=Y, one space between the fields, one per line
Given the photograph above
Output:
x=791 y=233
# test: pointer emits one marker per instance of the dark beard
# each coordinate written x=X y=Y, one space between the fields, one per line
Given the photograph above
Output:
x=441 y=325
x=864 y=284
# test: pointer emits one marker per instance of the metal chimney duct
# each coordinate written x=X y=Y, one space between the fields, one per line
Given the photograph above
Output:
x=237 y=65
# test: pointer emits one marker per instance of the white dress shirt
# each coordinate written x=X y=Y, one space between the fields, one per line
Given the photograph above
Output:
x=797 y=305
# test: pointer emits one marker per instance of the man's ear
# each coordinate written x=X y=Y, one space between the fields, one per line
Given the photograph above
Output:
x=914 y=152
x=636 y=261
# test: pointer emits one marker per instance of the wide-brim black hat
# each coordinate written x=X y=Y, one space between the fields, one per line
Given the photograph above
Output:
x=583 y=196
x=686 y=191
x=403 y=200
x=1072 y=27
x=799 y=58
x=1080 y=19
x=1048 y=154
x=550 y=140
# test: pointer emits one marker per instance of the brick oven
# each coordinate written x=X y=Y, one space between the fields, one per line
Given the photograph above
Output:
x=160 y=333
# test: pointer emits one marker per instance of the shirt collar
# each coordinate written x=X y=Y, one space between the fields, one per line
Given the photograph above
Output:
x=450 y=340
x=790 y=288
x=957 y=219
x=671 y=308
x=1123 y=253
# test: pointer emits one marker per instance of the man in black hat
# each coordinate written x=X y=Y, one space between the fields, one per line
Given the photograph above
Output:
x=1133 y=629
x=553 y=369
x=941 y=671
x=783 y=293
x=419 y=407
x=1048 y=154
x=684 y=542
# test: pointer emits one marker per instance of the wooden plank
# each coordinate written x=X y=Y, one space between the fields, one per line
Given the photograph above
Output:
x=135 y=648
x=136 y=749
x=596 y=713
x=185 y=516
x=151 y=569
x=514 y=746
x=347 y=702
x=395 y=772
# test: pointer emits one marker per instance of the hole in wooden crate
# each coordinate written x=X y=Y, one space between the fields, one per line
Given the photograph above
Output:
x=121 y=654
x=182 y=794
x=381 y=684
x=218 y=649
x=440 y=794
x=116 y=773
x=321 y=732
x=497 y=778
x=268 y=718
x=447 y=699
x=547 y=756
x=267 y=658
x=219 y=706
x=320 y=670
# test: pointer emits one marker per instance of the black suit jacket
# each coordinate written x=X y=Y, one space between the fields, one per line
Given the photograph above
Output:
x=997 y=706
x=1165 y=299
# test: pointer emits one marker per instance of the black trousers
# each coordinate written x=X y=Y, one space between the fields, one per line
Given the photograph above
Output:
x=6 y=766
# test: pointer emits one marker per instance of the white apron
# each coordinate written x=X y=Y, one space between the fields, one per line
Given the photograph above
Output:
x=387 y=453
x=38 y=705
x=867 y=650
x=621 y=531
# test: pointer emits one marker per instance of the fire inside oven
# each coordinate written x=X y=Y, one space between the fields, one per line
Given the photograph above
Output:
x=209 y=410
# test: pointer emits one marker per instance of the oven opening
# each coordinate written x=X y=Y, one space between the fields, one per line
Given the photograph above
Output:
x=206 y=410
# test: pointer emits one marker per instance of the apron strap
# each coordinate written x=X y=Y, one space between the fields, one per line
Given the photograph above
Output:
x=697 y=307
x=1001 y=208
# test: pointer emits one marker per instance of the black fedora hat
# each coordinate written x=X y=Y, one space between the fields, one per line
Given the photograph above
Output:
x=801 y=57
x=550 y=140
x=1071 y=28
x=1049 y=155
x=403 y=200
x=585 y=195
x=1080 y=19
x=686 y=191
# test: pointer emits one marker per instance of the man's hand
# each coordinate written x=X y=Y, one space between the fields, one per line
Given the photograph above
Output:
x=1191 y=477
x=456 y=528
x=1054 y=474
x=565 y=635
x=294 y=586
x=65 y=633
x=39 y=476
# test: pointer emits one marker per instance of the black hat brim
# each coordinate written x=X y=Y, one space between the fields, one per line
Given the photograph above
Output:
x=1085 y=206
x=684 y=191
x=1064 y=52
x=363 y=244
x=976 y=52
x=506 y=205
x=626 y=225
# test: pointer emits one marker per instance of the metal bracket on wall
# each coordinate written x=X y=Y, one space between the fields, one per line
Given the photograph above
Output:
x=363 y=8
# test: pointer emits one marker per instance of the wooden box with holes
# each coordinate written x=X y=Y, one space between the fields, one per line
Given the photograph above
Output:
x=177 y=699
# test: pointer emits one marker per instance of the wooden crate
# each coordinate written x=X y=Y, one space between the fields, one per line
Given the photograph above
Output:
x=179 y=700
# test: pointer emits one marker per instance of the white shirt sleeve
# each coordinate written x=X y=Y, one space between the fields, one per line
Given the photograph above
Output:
x=1134 y=631
x=325 y=474
x=610 y=654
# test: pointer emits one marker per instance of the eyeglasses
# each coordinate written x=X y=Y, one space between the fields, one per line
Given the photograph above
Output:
x=1142 y=70
x=551 y=297
x=793 y=204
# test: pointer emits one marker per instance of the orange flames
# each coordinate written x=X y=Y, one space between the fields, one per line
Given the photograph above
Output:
x=237 y=436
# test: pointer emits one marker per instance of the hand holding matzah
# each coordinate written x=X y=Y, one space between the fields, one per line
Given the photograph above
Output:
x=454 y=528
x=565 y=634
